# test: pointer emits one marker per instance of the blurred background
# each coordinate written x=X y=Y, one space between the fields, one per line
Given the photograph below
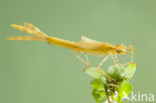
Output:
x=36 y=72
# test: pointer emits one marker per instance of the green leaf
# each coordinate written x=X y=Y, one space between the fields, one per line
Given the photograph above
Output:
x=99 y=95
x=96 y=95
x=93 y=72
x=125 y=90
x=104 y=80
x=97 y=84
x=116 y=72
x=121 y=73
x=98 y=74
x=121 y=101
x=129 y=71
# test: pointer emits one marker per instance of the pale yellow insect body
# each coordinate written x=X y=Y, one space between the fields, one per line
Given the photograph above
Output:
x=86 y=45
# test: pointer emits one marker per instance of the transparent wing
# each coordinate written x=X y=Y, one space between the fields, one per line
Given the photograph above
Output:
x=89 y=43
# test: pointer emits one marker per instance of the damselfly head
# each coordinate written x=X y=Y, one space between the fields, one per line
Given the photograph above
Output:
x=121 y=49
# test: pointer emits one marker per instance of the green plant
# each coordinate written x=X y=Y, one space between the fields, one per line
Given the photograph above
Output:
x=112 y=85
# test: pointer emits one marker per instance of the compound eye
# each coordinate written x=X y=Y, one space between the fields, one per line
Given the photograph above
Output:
x=119 y=50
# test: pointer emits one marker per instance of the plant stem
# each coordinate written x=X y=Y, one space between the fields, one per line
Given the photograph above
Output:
x=107 y=94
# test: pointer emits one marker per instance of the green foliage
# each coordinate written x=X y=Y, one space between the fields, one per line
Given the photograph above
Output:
x=99 y=95
x=113 y=85
x=125 y=90
x=121 y=73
